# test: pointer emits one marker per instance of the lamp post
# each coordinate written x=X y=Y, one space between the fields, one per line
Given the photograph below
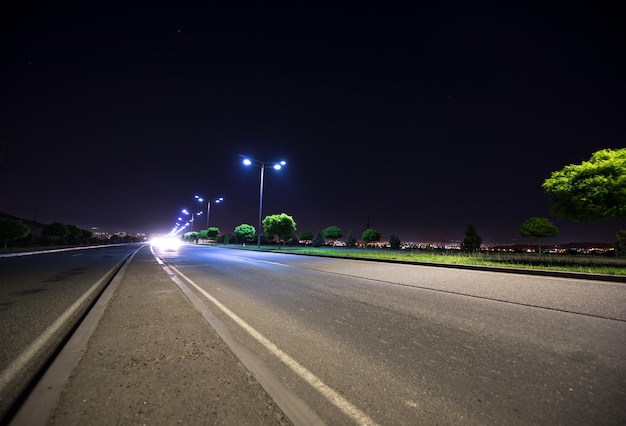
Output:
x=208 y=206
x=208 y=209
x=192 y=217
x=247 y=161
x=198 y=199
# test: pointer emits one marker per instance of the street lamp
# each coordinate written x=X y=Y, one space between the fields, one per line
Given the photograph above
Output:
x=192 y=216
x=247 y=161
x=199 y=199
x=208 y=206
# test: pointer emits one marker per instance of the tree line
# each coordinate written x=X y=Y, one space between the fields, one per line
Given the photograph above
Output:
x=591 y=191
x=18 y=234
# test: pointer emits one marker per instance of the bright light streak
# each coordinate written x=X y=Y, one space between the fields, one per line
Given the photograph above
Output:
x=166 y=242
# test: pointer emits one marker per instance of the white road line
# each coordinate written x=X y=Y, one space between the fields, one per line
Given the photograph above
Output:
x=330 y=394
x=41 y=401
x=22 y=360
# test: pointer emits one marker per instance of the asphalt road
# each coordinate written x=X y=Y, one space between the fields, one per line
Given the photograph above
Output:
x=365 y=342
x=340 y=341
x=42 y=297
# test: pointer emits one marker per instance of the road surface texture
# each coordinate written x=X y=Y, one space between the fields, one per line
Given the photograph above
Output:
x=153 y=359
x=220 y=336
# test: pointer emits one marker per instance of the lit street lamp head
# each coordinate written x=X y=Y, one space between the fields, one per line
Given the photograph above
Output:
x=276 y=166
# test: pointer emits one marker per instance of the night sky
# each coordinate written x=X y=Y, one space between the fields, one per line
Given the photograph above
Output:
x=414 y=120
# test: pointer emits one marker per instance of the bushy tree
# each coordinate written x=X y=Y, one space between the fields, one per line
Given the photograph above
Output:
x=87 y=234
x=192 y=236
x=78 y=235
x=282 y=225
x=332 y=233
x=74 y=232
x=538 y=227
x=212 y=232
x=472 y=241
x=12 y=229
x=590 y=191
x=56 y=231
x=370 y=235
x=306 y=236
x=245 y=232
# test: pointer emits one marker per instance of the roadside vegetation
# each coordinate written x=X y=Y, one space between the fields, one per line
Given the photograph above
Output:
x=580 y=263
x=17 y=235
x=591 y=191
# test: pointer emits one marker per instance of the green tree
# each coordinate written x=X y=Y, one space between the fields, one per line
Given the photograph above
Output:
x=306 y=236
x=282 y=225
x=203 y=234
x=590 y=191
x=192 y=236
x=77 y=235
x=620 y=245
x=350 y=240
x=75 y=232
x=245 y=232
x=472 y=241
x=319 y=240
x=87 y=234
x=394 y=242
x=332 y=233
x=213 y=232
x=370 y=235
x=56 y=231
x=538 y=227
x=12 y=229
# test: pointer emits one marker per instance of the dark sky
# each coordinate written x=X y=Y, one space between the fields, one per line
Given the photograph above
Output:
x=416 y=120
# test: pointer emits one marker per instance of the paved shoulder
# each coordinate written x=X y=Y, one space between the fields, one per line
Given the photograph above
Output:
x=153 y=359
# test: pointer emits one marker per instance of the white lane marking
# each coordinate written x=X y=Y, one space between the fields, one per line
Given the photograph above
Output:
x=292 y=405
x=41 y=401
x=265 y=261
x=29 y=253
x=330 y=394
x=17 y=366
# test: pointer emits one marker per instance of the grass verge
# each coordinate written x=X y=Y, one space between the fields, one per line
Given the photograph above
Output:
x=591 y=264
